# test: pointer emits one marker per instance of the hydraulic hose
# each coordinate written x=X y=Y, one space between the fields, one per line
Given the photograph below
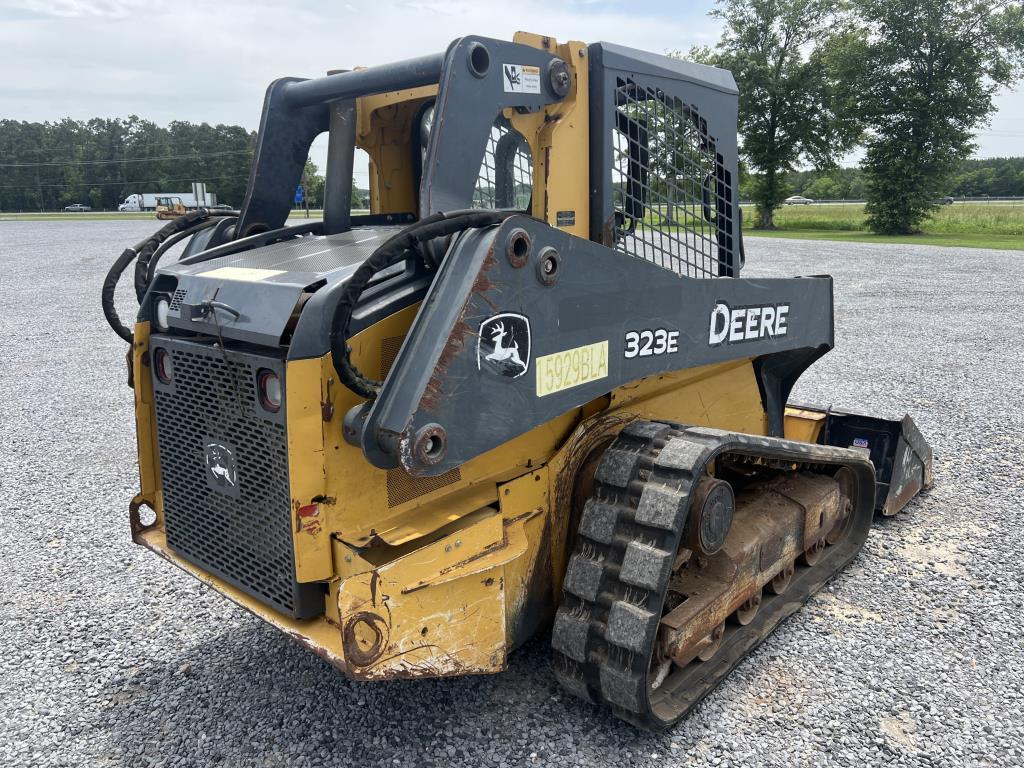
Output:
x=146 y=254
x=389 y=253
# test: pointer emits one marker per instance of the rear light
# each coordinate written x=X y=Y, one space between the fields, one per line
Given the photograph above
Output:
x=162 y=365
x=268 y=385
x=162 y=310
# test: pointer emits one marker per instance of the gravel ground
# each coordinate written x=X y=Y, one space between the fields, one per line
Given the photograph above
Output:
x=913 y=656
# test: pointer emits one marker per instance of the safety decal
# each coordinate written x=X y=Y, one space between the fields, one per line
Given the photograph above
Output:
x=565 y=219
x=735 y=325
x=520 y=78
x=650 y=342
x=571 y=368
x=503 y=345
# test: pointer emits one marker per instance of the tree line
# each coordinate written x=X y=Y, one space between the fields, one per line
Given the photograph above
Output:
x=909 y=81
x=990 y=177
x=99 y=162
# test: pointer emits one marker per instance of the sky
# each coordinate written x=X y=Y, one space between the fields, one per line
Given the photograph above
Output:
x=212 y=61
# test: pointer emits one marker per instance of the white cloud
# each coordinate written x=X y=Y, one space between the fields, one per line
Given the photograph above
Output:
x=212 y=61
x=75 y=8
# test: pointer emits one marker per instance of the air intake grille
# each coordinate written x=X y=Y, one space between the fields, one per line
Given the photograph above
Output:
x=177 y=298
x=241 y=530
x=671 y=196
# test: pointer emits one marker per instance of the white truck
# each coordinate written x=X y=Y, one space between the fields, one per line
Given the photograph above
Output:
x=146 y=201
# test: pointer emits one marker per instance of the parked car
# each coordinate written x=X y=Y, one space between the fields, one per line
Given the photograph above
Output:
x=944 y=201
x=797 y=200
x=220 y=207
x=76 y=208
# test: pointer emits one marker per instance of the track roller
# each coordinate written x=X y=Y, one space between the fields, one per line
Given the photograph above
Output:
x=780 y=582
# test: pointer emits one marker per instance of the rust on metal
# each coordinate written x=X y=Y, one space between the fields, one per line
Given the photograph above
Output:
x=775 y=523
x=461 y=331
x=364 y=637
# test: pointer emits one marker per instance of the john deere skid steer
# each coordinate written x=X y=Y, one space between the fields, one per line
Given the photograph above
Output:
x=529 y=392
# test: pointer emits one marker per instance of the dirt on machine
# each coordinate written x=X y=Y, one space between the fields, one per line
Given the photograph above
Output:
x=531 y=392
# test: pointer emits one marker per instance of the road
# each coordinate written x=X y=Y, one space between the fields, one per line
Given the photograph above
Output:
x=913 y=656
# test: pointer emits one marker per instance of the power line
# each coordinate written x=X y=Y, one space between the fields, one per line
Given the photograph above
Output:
x=193 y=156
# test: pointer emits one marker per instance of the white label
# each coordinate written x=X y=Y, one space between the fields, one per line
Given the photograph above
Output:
x=245 y=274
x=650 y=342
x=734 y=326
x=519 y=78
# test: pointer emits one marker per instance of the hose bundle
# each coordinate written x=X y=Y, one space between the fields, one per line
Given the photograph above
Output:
x=394 y=250
x=147 y=254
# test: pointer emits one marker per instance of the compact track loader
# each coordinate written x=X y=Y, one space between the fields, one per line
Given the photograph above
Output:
x=529 y=392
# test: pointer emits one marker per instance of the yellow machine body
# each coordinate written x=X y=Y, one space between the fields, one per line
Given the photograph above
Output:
x=440 y=576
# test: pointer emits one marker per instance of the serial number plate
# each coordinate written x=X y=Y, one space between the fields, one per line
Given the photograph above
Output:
x=563 y=370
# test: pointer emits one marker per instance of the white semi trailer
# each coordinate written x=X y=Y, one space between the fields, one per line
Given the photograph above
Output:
x=146 y=201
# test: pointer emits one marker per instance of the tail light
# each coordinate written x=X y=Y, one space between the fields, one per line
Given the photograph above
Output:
x=162 y=365
x=268 y=385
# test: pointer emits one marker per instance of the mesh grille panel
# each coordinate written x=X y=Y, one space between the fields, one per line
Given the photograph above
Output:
x=177 y=298
x=244 y=538
x=506 y=173
x=403 y=487
x=389 y=348
x=668 y=187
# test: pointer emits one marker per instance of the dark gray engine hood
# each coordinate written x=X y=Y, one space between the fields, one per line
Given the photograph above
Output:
x=265 y=284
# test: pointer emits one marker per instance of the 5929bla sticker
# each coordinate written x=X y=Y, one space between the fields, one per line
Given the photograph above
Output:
x=650 y=342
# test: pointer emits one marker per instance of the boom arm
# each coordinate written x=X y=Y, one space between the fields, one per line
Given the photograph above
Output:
x=524 y=323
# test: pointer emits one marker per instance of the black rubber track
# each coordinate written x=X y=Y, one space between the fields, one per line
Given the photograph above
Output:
x=615 y=584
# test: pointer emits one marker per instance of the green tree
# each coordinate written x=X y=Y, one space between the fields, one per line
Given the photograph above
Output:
x=923 y=74
x=823 y=188
x=313 y=185
x=790 y=111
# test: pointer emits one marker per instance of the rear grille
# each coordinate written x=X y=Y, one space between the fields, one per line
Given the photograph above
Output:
x=238 y=529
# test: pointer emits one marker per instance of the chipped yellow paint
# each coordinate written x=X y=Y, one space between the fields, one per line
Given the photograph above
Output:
x=524 y=506
x=150 y=492
x=306 y=471
x=439 y=609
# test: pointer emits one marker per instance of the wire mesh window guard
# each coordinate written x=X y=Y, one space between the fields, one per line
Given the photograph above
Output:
x=670 y=193
x=506 y=173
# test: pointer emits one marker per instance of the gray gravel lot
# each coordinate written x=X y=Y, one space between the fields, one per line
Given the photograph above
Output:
x=110 y=656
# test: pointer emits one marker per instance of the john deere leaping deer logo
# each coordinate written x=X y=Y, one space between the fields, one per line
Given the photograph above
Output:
x=503 y=346
x=221 y=473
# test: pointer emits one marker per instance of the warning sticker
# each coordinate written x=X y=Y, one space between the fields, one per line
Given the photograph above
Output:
x=519 y=78
x=245 y=274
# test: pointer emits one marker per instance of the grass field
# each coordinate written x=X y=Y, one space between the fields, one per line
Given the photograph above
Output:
x=977 y=225
x=963 y=225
